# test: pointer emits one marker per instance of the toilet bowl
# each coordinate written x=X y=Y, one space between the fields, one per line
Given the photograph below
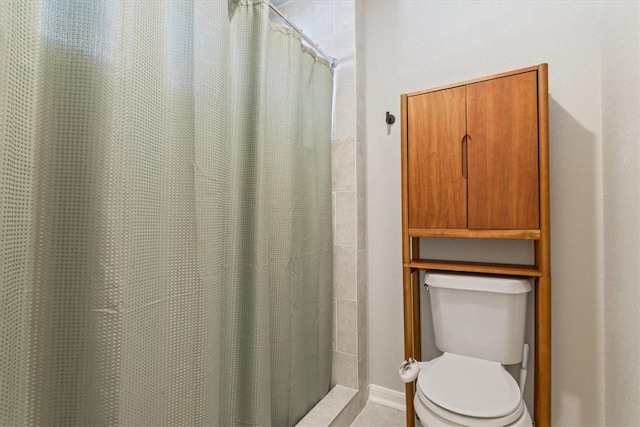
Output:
x=454 y=390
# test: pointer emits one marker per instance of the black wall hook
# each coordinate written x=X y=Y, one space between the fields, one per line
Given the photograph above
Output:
x=390 y=119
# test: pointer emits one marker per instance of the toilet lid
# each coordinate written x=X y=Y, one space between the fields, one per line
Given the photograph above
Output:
x=462 y=420
x=469 y=386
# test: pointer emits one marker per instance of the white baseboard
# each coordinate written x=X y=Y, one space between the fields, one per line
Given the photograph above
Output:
x=387 y=397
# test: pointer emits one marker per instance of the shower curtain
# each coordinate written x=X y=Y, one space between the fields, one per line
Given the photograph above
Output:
x=165 y=216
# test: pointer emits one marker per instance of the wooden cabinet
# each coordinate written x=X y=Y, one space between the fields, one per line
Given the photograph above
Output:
x=472 y=156
x=475 y=164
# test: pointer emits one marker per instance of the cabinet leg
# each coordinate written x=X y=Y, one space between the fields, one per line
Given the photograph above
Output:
x=543 y=353
x=411 y=416
x=417 y=338
x=407 y=279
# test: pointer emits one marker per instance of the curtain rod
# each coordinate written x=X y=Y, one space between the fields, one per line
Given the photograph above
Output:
x=333 y=62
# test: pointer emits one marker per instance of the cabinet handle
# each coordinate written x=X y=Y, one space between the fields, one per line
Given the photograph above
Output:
x=464 y=156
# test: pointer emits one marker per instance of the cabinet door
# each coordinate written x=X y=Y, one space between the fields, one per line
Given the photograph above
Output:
x=502 y=124
x=437 y=188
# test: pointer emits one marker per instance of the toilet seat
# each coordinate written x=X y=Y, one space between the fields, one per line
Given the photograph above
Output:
x=469 y=387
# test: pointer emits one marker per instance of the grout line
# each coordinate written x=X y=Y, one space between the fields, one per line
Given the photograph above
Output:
x=347 y=354
x=346 y=299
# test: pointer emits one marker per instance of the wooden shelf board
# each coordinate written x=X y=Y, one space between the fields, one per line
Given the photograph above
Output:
x=476 y=234
x=476 y=267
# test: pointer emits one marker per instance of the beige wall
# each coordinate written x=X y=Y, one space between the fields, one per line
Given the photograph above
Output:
x=621 y=167
x=412 y=45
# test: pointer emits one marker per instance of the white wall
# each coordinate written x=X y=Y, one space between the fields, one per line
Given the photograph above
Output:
x=621 y=167
x=413 y=45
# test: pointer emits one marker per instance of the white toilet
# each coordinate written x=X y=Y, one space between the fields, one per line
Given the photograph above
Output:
x=479 y=324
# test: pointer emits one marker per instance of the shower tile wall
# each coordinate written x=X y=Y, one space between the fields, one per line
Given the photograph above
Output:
x=332 y=24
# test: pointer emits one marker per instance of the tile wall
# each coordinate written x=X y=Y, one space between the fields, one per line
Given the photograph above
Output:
x=332 y=25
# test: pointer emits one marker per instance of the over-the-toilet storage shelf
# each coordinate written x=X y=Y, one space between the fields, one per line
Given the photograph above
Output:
x=475 y=164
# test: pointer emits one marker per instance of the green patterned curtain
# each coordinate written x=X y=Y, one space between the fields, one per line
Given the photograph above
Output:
x=165 y=215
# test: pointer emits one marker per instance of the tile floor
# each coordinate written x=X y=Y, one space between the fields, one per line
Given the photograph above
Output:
x=374 y=415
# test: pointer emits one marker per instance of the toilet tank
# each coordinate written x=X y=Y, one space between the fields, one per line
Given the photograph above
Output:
x=479 y=316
